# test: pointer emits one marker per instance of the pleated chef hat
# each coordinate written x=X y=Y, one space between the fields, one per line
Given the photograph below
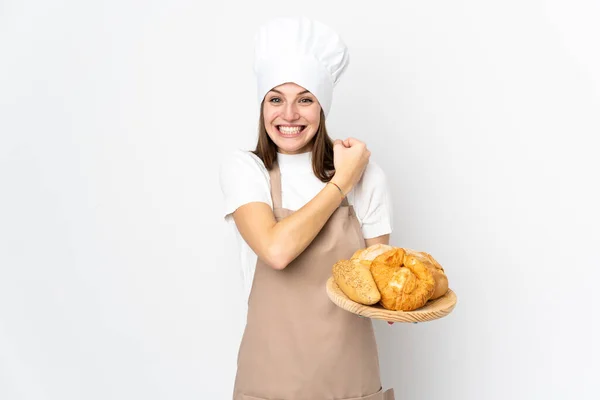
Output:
x=299 y=50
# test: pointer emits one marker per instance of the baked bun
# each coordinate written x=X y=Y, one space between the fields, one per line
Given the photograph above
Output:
x=369 y=253
x=440 y=277
x=355 y=280
x=403 y=279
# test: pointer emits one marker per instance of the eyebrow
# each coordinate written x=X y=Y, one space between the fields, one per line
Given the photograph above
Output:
x=277 y=91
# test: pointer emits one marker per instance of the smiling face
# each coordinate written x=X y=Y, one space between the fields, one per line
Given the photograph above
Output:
x=292 y=116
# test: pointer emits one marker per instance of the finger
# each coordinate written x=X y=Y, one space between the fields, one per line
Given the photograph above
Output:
x=337 y=141
x=351 y=141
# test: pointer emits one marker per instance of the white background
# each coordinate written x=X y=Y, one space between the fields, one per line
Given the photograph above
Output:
x=115 y=280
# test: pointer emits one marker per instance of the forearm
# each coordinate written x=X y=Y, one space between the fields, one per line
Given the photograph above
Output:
x=293 y=234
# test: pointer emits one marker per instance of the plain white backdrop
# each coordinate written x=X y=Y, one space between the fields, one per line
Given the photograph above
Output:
x=115 y=277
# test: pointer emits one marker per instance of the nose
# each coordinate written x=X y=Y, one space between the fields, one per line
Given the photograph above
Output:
x=290 y=112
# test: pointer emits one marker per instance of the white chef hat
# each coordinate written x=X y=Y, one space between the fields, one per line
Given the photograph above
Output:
x=299 y=50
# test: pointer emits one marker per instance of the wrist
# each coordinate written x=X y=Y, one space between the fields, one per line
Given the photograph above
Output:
x=337 y=188
x=342 y=185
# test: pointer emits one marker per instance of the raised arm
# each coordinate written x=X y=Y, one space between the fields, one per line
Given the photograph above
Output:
x=279 y=243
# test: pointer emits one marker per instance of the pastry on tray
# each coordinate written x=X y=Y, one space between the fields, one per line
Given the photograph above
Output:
x=401 y=279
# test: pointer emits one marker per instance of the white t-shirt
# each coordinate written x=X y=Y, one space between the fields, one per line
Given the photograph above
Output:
x=244 y=179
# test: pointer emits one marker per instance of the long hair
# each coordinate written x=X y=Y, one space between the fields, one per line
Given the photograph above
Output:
x=322 y=149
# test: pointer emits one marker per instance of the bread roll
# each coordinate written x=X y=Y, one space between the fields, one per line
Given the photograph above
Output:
x=403 y=280
x=439 y=276
x=369 y=253
x=355 y=280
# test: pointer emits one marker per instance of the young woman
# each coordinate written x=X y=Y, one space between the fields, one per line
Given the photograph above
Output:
x=298 y=203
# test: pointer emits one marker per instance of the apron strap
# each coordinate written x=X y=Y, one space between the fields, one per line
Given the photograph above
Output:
x=275 y=175
x=345 y=202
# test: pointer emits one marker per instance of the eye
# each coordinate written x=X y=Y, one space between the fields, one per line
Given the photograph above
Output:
x=274 y=100
x=306 y=100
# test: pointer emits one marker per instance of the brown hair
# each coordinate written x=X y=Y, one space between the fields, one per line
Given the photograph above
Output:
x=322 y=149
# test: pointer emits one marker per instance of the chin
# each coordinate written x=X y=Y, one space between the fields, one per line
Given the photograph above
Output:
x=294 y=149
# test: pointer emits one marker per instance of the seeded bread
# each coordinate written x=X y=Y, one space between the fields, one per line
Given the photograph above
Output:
x=355 y=280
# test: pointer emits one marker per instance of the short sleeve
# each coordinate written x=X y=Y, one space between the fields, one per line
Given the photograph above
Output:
x=373 y=202
x=243 y=179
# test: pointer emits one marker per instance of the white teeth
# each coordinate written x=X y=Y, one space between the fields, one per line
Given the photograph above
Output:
x=290 y=130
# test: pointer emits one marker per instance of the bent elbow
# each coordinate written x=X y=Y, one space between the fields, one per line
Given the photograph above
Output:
x=278 y=266
x=278 y=263
x=277 y=259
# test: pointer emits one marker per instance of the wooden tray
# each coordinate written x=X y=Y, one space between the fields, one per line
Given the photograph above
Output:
x=434 y=309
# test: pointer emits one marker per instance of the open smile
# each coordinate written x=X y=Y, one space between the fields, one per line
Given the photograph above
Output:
x=290 y=131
